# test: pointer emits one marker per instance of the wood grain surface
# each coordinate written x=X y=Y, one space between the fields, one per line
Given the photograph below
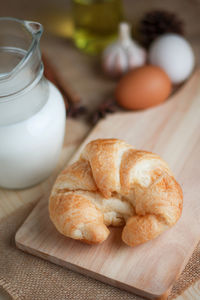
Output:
x=172 y=131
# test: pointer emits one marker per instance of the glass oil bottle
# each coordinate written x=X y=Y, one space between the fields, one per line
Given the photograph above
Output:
x=96 y=23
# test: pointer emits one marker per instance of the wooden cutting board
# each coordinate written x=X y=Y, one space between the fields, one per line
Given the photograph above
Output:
x=173 y=131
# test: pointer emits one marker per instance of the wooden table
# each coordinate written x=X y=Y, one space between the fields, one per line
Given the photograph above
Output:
x=63 y=54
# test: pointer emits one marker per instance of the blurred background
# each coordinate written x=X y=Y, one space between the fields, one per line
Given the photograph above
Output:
x=57 y=19
x=56 y=15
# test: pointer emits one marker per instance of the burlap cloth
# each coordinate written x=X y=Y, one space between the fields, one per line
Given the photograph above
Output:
x=24 y=276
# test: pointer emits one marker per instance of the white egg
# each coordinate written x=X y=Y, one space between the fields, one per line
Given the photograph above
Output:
x=174 y=54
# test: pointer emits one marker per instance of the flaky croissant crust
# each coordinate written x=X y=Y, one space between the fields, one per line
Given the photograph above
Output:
x=114 y=184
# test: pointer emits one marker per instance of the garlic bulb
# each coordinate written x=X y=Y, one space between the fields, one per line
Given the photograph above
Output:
x=124 y=54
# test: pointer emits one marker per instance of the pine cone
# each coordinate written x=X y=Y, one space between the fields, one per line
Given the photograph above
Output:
x=156 y=23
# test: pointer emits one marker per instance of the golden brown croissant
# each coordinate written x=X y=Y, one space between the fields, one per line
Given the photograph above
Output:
x=114 y=184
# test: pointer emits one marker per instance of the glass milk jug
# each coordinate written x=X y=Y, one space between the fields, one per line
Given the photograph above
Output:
x=32 y=112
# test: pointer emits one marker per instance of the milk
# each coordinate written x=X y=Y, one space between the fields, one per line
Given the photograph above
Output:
x=31 y=138
x=32 y=112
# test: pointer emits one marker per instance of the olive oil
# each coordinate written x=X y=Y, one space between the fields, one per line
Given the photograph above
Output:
x=96 y=23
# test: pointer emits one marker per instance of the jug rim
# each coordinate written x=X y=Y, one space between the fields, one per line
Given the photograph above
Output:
x=36 y=34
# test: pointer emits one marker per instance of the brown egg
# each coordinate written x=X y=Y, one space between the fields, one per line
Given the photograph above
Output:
x=143 y=87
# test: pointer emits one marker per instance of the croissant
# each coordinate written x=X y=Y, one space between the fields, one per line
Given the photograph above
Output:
x=114 y=184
